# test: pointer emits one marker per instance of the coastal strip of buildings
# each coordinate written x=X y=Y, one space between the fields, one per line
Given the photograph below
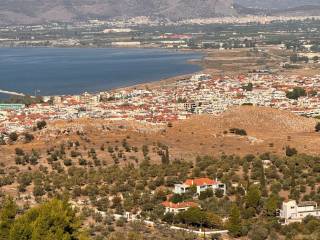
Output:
x=201 y=94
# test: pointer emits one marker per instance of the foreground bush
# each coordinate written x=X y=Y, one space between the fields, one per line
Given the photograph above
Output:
x=52 y=220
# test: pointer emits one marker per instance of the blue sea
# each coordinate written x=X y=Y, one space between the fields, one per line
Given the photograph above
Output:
x=76 y=70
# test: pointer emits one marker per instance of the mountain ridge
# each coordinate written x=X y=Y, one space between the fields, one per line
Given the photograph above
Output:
x=42 y=11
x=276 y=5
x=36 y=11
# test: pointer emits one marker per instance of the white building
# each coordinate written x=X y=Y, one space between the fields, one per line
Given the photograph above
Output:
x=90 y=98
x=117 y=30
x=201 y=77
x=293 y=212
x=57 y=100
x=202 y=184
x=178 y=207
x=126 y=44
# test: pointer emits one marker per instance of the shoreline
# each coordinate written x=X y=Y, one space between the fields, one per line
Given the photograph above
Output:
x=154 y=84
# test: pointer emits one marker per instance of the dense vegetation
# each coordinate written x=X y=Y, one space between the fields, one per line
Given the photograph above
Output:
x=296 y=93
x=51 y=220
x=256 y=187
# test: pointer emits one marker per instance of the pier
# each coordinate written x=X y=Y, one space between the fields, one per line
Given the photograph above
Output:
x=11 y=93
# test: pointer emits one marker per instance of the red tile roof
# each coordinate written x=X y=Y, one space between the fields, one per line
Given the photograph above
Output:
x=199 y=182
x=179 y=205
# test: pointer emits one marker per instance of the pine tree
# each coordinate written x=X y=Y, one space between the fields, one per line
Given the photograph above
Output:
x=8 y=213
x=52 y=220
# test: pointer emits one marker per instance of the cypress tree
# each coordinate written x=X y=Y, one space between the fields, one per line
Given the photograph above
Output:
x=234 y=223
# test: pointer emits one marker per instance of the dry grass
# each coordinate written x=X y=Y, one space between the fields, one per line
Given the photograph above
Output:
x=269 y=130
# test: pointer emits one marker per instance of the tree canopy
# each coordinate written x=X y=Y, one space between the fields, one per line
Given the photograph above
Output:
x=52 y=220
x=296 y=93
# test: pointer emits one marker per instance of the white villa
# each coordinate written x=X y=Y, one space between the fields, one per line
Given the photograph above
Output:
x=293 y=212
x=202 y=184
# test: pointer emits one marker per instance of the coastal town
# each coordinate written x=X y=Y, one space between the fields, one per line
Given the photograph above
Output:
x=172 y=101
x=227 y=149
x=146 y=32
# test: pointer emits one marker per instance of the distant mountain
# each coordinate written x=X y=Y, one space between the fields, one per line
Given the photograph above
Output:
x=40 y=11
x=278 y=7
x=276 y=4
x=36 y=11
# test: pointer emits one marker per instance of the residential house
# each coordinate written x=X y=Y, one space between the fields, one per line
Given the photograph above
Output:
x=201 y=184
x=178 y=207
x=293 y=212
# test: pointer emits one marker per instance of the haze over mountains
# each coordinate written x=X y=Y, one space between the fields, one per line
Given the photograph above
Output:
x=38 y=11
x=277 y=4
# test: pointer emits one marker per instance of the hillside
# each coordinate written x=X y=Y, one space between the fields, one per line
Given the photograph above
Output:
x=258 y=122
x=278 y=7
x=276 y=4
x=36 y=11
x=107 y=168
x=268 y=130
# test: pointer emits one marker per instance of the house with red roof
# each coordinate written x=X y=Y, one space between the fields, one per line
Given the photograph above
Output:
x=175 y=208
x=202 y=184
